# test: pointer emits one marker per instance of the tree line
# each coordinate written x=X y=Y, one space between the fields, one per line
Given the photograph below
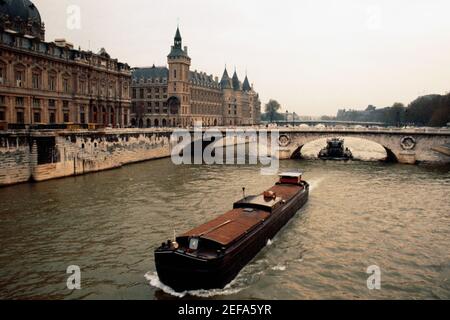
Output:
x=430 y=110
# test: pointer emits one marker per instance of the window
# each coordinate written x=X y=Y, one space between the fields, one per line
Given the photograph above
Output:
x=52 y=117
x=20 y=78
x=2 y=73
x=36 y=103
x=66 y=85
x=134 y=93
x=175 y=74
x=52 y=82
x=37 y=117
x=125 y=90
x=82 y=87
x=52 y=103
x=141 y=93
x=19 y=116
x=20 y=101
x=2 y=115
x=36 y=80
x=2 y=100
x=66 y=117
x=65 y=104
x=82 y=115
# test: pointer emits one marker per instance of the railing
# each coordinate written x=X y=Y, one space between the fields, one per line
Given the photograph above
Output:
x=299 y=129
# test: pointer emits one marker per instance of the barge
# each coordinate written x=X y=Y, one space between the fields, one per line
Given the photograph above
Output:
x=335 y=150
x=211 y=255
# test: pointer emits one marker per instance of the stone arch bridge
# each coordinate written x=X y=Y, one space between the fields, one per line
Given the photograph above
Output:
x=402 y=145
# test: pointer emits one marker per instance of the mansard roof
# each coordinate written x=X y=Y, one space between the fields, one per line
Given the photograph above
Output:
x=150 y=73
x=202 y=79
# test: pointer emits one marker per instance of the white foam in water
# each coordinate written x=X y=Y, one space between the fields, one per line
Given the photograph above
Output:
x=155 y=282
x=269 y=242
x=314 y=184
x=279 y=268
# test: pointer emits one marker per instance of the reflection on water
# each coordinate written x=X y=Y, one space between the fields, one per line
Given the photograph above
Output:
x=359 y=214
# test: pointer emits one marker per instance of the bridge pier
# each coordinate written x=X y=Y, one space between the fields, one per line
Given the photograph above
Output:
x=406 y=157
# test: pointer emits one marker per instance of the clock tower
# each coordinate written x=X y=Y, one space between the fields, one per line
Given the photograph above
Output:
x=178 y=83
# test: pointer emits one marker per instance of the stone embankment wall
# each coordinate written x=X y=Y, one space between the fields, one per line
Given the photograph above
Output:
x=38 y=156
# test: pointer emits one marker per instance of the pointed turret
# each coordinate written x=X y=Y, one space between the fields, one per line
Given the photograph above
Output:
x=236 y=82
x=246 y=85
x=177 y=50
x=225 y=83
x=177 y=39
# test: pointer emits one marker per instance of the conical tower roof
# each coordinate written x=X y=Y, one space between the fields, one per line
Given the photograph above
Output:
x=225 y=83
x=178 y=34
x=246 y=85
x=236 y=82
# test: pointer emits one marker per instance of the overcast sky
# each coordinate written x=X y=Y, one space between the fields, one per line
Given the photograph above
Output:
x=313 y=56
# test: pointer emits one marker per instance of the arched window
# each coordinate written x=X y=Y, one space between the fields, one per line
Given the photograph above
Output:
x=156 y=123
x=149 y=123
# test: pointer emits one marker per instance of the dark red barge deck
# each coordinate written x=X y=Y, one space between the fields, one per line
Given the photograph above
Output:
x=211 y=255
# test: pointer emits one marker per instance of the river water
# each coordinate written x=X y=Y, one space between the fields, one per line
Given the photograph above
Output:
x=360 y=214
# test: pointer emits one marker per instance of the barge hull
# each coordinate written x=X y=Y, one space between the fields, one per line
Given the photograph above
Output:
x=182 y=272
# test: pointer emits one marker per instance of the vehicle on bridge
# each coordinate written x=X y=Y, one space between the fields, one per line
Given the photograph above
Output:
x=335 y=150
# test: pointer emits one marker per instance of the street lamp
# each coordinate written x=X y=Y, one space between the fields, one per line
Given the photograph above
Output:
x=293 y=119
x=287 y=114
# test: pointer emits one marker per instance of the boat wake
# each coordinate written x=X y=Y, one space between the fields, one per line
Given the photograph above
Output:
x=155 y=282
x=313 y=184
x=279 y=267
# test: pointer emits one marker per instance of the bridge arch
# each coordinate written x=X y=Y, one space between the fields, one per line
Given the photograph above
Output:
x=294 y=143
x=353 y=144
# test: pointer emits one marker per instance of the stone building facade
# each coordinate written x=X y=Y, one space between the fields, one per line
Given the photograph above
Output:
x=175 y=96
x=53 y=83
